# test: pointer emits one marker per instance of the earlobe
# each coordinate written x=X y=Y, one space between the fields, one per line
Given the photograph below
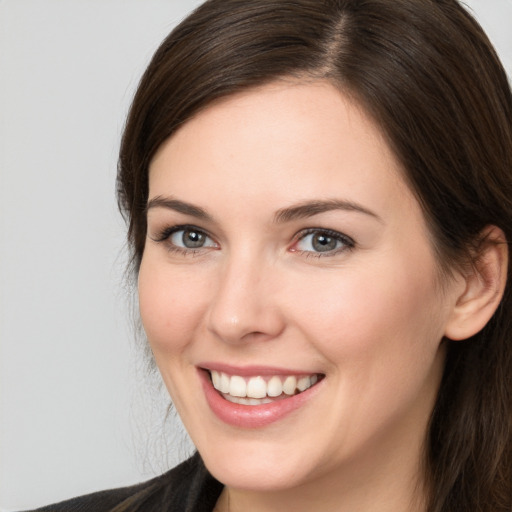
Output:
x=484 y=287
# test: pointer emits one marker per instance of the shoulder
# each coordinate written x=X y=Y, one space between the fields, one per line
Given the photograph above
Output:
x=188 y=487
x=103 y=501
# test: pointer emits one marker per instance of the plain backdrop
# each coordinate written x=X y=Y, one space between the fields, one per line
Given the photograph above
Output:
x=76 y=413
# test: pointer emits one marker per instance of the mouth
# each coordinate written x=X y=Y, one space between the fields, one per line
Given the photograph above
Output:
x=261 y=389
x=257 y=396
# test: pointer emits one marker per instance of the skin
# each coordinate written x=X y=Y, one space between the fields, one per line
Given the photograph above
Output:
x=370 y=317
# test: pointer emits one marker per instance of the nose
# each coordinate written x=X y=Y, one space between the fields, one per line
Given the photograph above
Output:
x=244 y=306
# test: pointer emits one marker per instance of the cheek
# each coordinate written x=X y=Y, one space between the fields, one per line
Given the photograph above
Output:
x=380 y=335
x=171 y=305
x=367 y=314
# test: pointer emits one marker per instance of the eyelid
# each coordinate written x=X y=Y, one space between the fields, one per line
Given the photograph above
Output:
x=165 y=234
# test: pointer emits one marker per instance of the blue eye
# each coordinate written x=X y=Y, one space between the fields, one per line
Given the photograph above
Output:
x=190 y=238
x=323 y=241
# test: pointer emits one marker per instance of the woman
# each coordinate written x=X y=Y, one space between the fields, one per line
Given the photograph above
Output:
x=318 y=198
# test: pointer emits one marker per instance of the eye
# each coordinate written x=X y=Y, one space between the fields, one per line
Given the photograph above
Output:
x=191 y=238
x=323 y=242
x=185 y=239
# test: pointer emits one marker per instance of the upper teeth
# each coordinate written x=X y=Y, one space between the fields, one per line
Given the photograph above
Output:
x=260 y=387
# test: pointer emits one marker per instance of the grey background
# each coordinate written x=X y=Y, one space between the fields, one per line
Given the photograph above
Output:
x=76 y=412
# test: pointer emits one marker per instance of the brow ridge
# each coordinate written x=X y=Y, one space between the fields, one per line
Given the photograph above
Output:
x=315 y=207
x=178 y=206
x=288 y=214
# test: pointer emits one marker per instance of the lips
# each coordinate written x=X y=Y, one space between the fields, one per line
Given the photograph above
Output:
x=252 y=398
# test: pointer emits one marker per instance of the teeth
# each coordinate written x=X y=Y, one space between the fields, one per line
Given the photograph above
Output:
x=224 y=383
x=237 y=386
x=216 y=380
x=274 y=386
x=303 y=383
x=247 y=401
x=256 y=390
x=289 y=385
x=256 y=387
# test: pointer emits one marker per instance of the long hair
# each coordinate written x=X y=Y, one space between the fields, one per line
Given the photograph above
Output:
x=427 y=74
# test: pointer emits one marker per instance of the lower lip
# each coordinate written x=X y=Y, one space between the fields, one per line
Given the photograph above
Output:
x=252 y=416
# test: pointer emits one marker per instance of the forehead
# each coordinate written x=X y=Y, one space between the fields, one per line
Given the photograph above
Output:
x=284 y=142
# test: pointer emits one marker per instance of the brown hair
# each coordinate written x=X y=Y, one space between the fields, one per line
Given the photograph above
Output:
x=428 y=75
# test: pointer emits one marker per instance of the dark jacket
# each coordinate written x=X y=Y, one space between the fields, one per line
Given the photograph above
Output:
x=186 y=488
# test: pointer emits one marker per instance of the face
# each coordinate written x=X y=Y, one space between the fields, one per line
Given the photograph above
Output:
x=288 y=262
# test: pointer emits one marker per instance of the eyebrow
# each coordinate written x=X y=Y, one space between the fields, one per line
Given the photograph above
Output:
x=178 y=206
x=311 y=208
x=296 y=212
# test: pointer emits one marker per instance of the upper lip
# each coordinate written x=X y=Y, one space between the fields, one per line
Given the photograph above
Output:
x=253 y=370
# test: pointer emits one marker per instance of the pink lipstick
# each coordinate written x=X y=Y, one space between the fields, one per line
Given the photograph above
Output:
x=254 y=397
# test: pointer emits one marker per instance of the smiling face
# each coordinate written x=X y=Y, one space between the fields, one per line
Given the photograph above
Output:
x=284 y=244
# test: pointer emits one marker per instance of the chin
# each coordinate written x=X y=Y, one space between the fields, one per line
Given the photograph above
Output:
x=256 y=476
x=258 y=466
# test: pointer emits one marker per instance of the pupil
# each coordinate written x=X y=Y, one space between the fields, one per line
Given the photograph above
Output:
x=193 y=239
x=323 y=243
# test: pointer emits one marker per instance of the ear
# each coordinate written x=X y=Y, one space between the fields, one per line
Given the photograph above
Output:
x=484 y=286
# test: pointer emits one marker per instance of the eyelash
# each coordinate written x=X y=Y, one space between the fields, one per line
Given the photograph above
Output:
x=348 y=243
x=165 y=234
